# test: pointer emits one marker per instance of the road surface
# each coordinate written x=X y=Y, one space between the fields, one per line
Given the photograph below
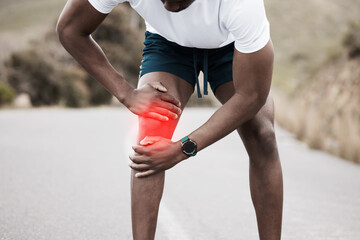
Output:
x=64 y=175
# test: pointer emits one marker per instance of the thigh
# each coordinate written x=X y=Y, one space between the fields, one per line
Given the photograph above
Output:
x=161 y=55
x=220 y=66
x=175 y=86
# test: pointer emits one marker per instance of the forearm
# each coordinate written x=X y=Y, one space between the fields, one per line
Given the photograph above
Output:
x=91 y=57
x=78 y=20
x=252 y=74
x=237 y=110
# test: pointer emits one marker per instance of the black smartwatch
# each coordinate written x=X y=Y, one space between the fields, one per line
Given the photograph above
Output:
x=188 y=146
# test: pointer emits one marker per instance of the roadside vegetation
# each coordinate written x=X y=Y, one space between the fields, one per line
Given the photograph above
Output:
x=316 y=77
x=7 y=93
x=317 y=72
x=324 y=111
x=49 y=75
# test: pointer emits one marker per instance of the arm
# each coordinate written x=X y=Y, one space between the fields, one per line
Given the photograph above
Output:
x=252 y=74
x=77 y=21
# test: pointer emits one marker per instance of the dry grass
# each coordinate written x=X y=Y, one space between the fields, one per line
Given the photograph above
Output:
x=20 y=15
x=305 y=34
x=317 y=88
x=326 y=114
x=21 y=21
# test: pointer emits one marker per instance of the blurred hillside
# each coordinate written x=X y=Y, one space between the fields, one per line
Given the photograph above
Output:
x=316 y=78
x=324 y=110
x=305 y=33
x=42 y=68
x=23 y=20
x=317 y=72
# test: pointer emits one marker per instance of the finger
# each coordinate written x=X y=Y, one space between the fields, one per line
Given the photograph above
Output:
x=168 y=98
x=146 y=141
x=156 y=116
x=139 y=167
x=150 y=140
x=158 y=86
x=140 y=150
x=165 y=112
x=145 y=174
x=168 y=106
x=138 y=159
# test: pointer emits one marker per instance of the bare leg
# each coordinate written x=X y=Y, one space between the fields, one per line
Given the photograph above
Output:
x=265 y=172
x=146 y=193
x=266 y=182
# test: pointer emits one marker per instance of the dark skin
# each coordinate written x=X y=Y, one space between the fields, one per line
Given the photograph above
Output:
x=252 y=84
x=247 y=108
x=77 y=21
x=252 y=80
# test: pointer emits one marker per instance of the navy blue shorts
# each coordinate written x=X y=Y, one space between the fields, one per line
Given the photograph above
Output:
x=161 y=55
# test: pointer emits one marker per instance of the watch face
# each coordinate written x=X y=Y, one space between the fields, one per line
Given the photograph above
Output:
x=189 y=147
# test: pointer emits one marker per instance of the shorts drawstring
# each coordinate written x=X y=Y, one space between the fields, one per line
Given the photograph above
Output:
x=196 y=75
x=205 y=71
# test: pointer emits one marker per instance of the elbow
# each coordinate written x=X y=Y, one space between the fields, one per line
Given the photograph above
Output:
x=260 y=101
x=255 y=101
x=59 y=26
x=60 y=29
x=64 y=32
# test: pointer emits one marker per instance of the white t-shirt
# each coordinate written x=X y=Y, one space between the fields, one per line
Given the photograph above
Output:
x=205 y=23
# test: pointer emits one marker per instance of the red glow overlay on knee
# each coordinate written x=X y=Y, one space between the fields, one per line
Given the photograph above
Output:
x=150 y=127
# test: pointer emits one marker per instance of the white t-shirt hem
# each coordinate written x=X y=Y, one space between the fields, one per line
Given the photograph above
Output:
x=258 y=45
x=241 y=21
x=101 y=6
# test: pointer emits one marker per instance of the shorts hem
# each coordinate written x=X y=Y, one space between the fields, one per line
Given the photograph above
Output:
x=219 y=84
x=142 y=73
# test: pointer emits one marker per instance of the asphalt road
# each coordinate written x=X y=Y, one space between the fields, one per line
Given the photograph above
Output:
x=64 y=175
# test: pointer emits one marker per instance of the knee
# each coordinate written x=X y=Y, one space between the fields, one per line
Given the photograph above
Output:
x=150 y=127
x=262 y=140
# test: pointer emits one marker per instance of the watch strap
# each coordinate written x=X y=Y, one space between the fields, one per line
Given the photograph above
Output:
x=184 y=140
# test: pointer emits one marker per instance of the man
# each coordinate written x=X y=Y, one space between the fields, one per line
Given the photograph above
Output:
x=229 y=41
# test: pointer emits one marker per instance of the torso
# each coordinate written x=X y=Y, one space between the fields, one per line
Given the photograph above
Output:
x=205 y=23
x=197 y=26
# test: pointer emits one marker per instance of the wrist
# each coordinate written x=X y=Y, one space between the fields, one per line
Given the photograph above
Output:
x=124 y=93
x=181 y=155
x=188 y=146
